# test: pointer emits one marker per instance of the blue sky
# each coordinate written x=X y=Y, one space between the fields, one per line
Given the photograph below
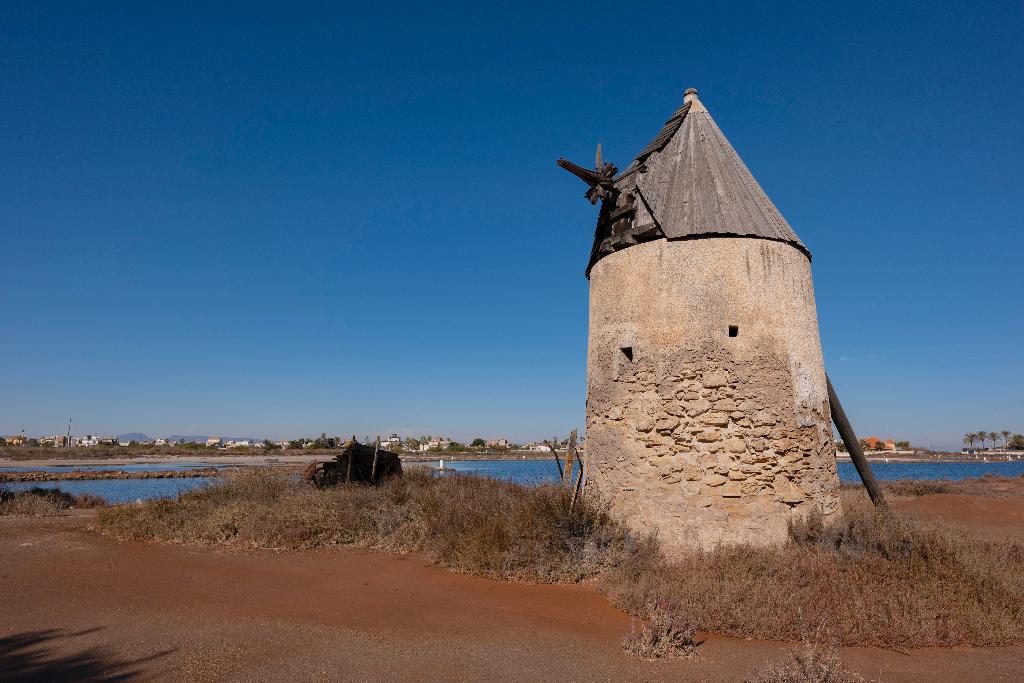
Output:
x=281 y=220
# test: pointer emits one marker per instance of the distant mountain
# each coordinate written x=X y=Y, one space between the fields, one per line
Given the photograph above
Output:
x=134 y=436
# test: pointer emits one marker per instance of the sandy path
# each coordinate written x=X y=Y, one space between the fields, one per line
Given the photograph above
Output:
x=168 y=613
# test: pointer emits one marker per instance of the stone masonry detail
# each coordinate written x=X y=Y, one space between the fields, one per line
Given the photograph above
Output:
x=716 y=444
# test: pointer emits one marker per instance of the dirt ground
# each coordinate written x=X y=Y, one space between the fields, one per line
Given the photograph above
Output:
x=75 y=605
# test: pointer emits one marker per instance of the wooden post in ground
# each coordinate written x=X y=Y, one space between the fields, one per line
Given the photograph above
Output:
x=557 y=461
x=845 y=429
x=348 y=468
x=579 y=484
x=570 y=458
x=373 y=469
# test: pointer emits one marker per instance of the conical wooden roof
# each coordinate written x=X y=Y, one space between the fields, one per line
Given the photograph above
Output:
x=691 y=182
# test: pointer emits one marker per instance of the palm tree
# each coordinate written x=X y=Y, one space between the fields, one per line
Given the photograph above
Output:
x=1006 y=438
x=992 y=436
x=969 y=439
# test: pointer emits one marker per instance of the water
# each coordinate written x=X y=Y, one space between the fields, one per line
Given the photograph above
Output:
x=934 y=470
x=118 y=490
x=121 y=490
x=107 y=468
x=536 y=471
x=519 y=471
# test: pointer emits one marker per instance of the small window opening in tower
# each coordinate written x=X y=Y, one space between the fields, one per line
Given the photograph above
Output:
x=627 y=351
x=734 y=330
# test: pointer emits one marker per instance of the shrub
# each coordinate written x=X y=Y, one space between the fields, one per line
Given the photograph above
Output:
x=986 y=485
x=44 y=502
x=468 y=523
x=918 y=487
x=877 y=578
x=667 y=631
x=815 y=661
x=35 y=502
x=865 y=530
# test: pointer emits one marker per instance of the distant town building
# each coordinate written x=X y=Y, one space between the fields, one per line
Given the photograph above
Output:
x=90 y=440
x=873 y=443
x=497 y=443
x=213 y=441
x=437 y=443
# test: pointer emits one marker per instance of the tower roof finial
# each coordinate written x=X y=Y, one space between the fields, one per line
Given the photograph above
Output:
x=690 y=95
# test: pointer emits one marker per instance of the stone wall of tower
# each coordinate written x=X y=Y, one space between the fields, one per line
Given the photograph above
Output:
x=704 y=437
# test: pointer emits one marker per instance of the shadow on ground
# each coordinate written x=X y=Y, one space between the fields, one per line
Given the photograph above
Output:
x=42 y=656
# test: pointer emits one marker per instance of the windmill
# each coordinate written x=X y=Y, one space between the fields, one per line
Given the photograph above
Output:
x=708 y=407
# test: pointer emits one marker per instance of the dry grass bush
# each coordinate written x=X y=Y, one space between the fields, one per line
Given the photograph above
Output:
x=667 y=631
x=89 y=500
x=877 y=578
x=43 y=502
x=475 y=524
x=918 y=487
x=987 y=485
x=815 y=661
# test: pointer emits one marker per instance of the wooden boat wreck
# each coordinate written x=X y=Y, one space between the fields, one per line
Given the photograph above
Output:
x=355 y=462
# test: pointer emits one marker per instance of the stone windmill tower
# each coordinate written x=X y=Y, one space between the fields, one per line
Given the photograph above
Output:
x=707 y=407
